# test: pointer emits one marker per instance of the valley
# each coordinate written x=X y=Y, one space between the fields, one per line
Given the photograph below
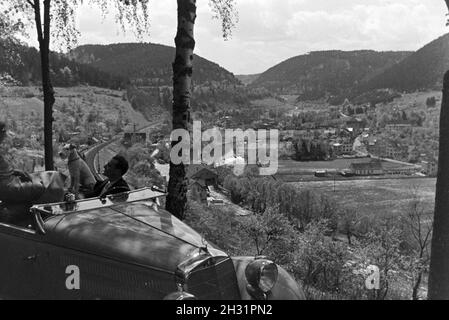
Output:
x=358 y=147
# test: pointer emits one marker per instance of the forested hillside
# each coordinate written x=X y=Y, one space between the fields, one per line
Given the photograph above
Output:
x=147 y=64
x=318 y=74
x=423 y=69
x=23 y=66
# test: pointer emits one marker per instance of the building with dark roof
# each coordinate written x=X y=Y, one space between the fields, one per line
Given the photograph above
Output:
x=373 y=167
x=199 y=191
x=202 y=173
x=398 y=125
x=356 y=124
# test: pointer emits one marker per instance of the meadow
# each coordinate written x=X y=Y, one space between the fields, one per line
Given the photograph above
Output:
x=381 y=196
x=309 y=167
x=291 y=166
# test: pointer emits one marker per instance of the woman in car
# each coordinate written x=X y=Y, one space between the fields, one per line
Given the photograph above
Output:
x=18 y=187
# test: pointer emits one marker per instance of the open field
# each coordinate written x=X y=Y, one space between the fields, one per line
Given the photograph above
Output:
x=291 y=166
x=309 y=167
x=376 y=196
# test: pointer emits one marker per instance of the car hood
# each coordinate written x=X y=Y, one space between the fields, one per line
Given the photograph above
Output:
x=138 y=233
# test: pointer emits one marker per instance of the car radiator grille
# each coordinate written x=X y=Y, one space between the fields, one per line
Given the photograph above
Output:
x=214 y=282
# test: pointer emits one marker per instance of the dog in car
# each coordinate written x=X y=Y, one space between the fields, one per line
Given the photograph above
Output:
x=82 y=180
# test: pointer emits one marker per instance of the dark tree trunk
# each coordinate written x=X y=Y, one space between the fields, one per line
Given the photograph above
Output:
x=43 y=37
x=182 y=81
x=439 y=259
x=49 y=100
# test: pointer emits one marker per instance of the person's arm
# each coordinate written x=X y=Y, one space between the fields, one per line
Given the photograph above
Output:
x=96 y=190
x=24 y=176
x=118 y=187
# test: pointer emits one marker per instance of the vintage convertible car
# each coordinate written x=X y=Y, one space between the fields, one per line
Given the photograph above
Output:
x=125 y=247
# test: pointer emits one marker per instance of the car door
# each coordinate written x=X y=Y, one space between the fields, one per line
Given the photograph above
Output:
x=20 y=263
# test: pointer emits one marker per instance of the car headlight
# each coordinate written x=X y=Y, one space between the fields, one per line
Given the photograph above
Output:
x=261 y=275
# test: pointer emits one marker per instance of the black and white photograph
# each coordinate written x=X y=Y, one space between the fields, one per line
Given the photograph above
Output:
x=246 y=151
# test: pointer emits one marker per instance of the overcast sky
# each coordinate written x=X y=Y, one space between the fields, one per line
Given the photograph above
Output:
x=270 y=31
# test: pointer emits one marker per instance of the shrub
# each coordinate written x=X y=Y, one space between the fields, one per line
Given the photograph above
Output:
x=320 y=260
x=271 y=234
x=431 y=102
x=219 y=225
x=259 y=193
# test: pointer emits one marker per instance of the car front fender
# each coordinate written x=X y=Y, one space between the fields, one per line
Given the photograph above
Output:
x=286 y=287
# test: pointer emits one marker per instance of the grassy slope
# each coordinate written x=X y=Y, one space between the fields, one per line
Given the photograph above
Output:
x=24 y=100
x=108 y=102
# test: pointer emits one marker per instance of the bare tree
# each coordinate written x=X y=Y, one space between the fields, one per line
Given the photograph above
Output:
x=384 y=250
x=419 y=224
x=348 y=221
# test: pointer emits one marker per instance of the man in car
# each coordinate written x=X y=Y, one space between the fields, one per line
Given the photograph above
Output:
x=114 y=171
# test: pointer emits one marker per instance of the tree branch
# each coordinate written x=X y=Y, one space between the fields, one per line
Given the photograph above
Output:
x=31 y=4
x=429 y=231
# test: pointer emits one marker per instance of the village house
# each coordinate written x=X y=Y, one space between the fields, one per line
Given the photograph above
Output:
x=429 y=167
x=295 y=134
x=329 y=132
x=396 y=151
x=376 y=146
x=267 y=123
x=343 y=147
x=364 y=138
x=206 y=176
x=413 y=154
x=199 y=191
x=398 y=125
x=201 y=177
x=356 y=124
x=131 y=138
x=373 y=167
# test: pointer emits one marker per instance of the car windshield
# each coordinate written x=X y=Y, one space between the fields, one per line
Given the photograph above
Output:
x=94 y=203
x=22 y=216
